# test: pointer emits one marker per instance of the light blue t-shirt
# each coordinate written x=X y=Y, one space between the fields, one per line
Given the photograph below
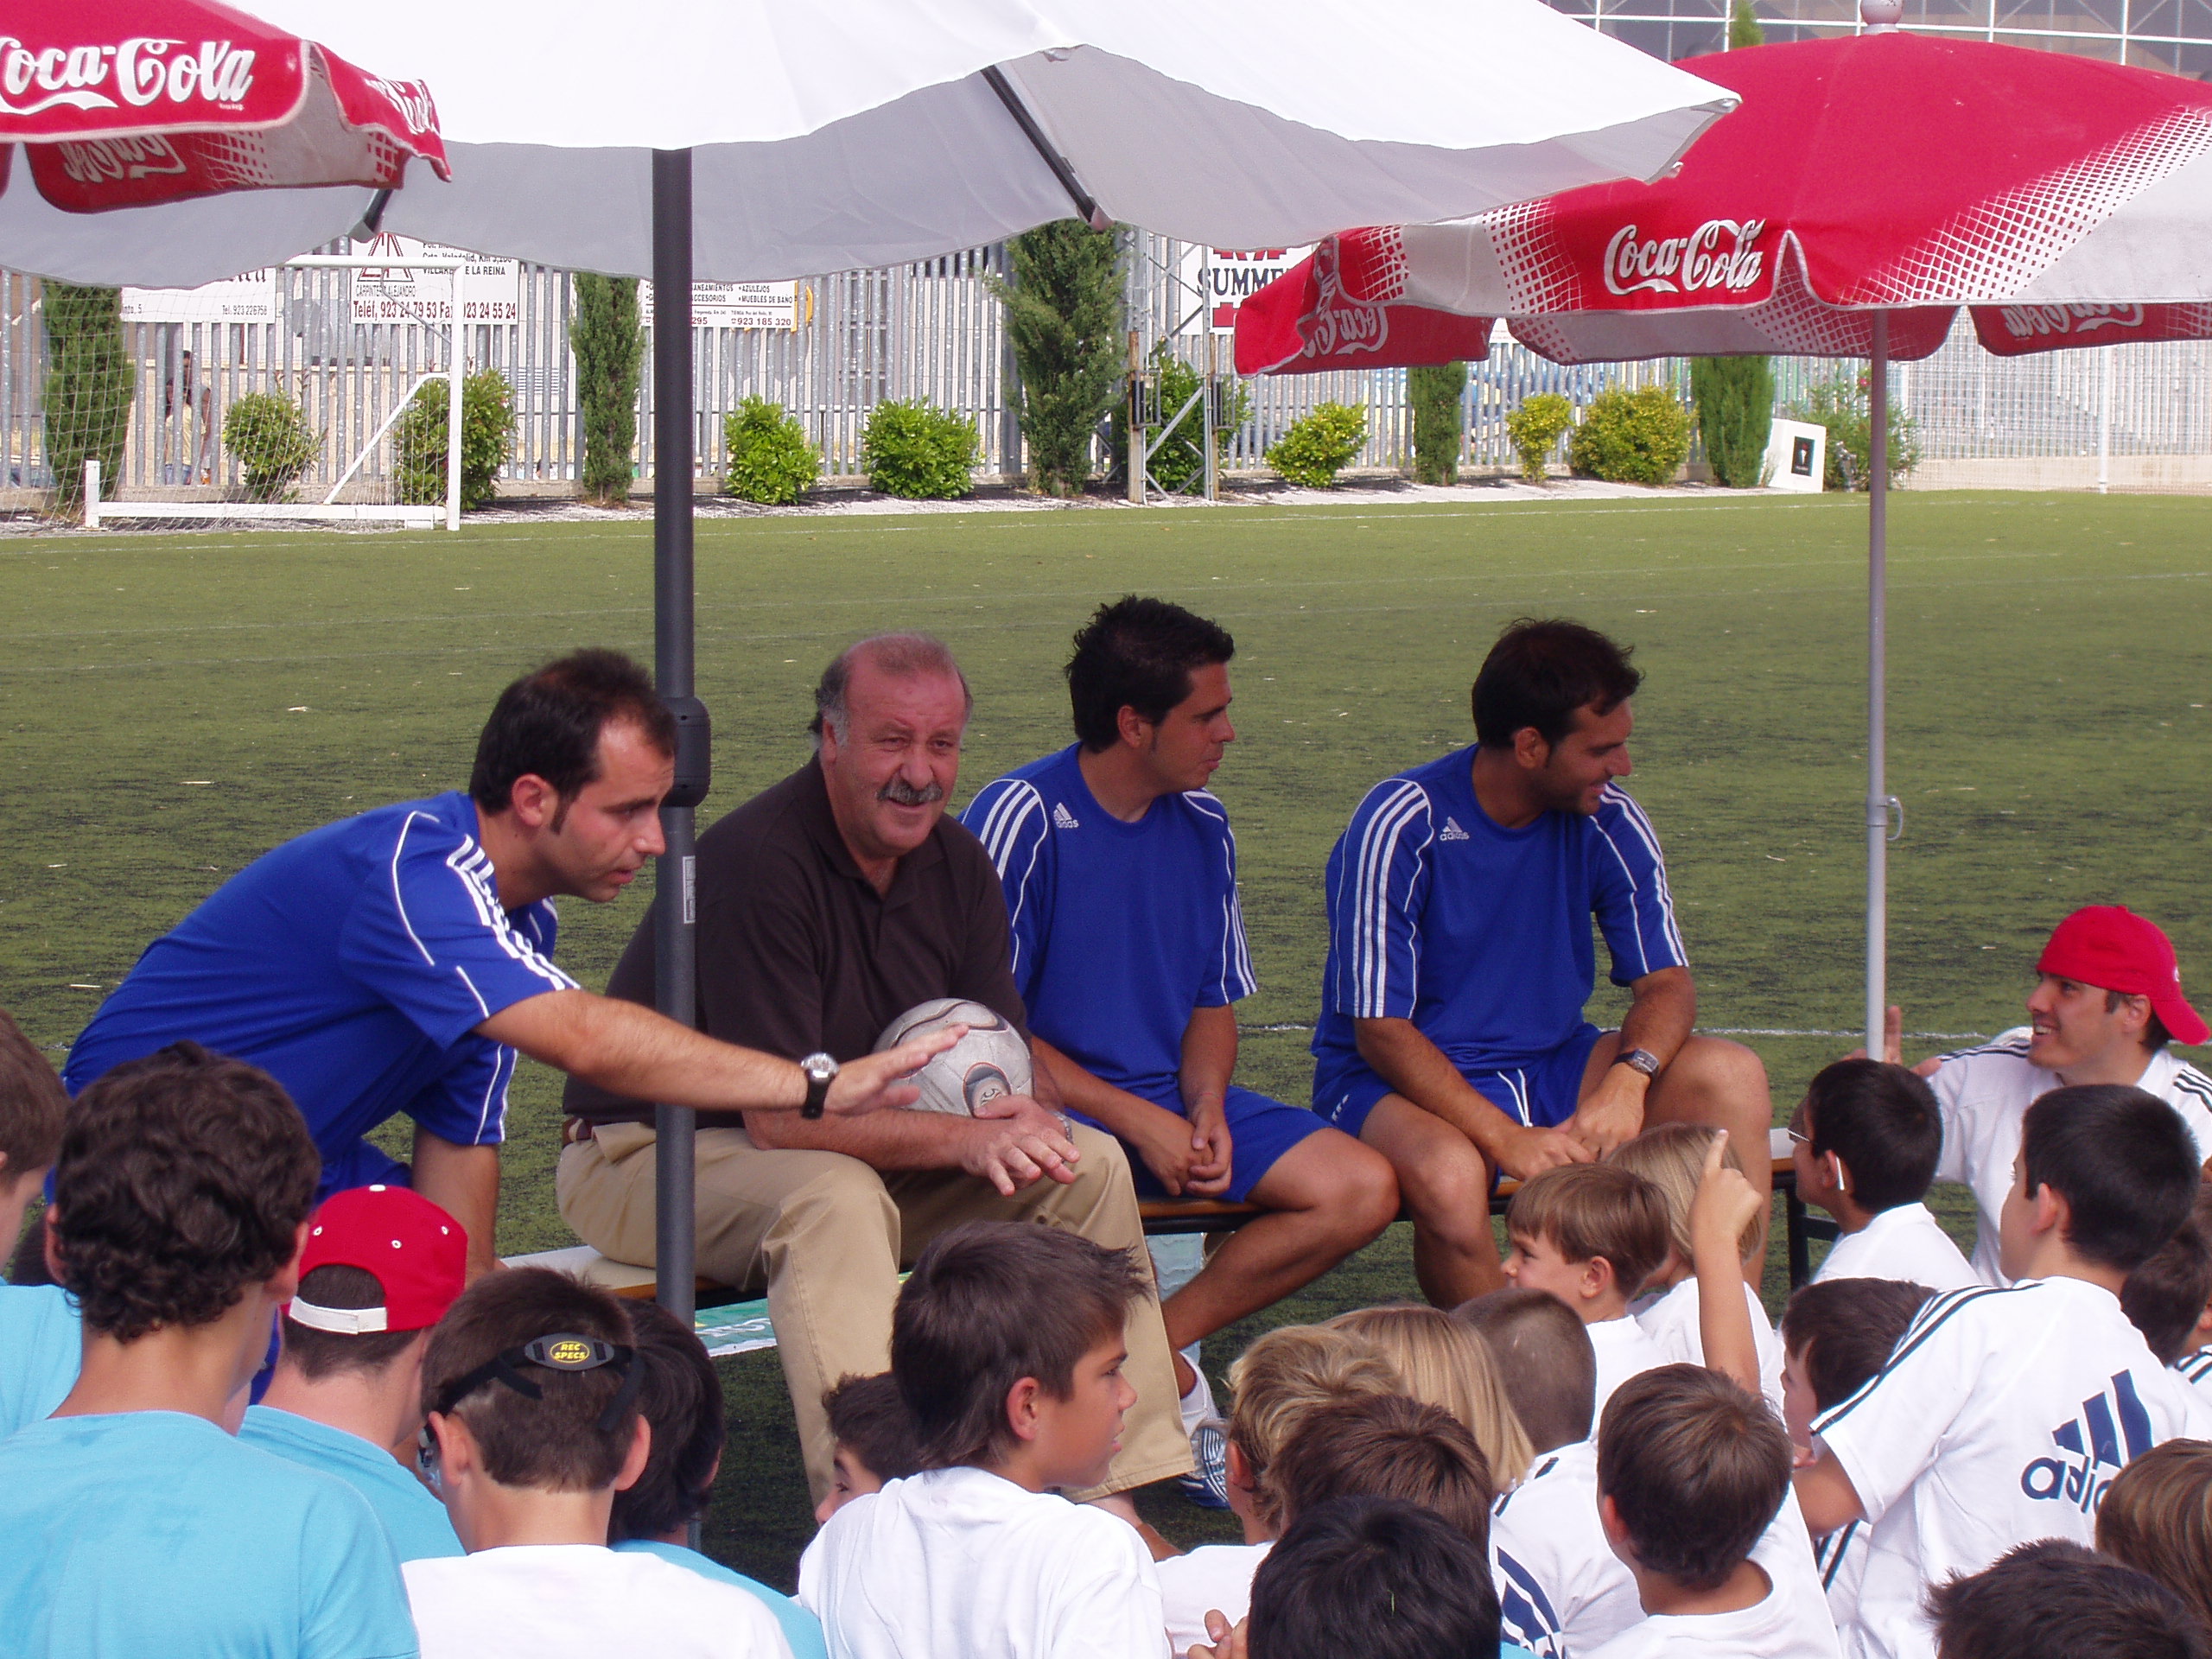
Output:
x=41 y=1344
x=154 y=1533
x=802 y=1630
x=414 y=1521
x=1120 y=930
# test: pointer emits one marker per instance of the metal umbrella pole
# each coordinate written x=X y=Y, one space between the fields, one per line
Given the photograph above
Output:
x=675 y=884
x=1880 y=803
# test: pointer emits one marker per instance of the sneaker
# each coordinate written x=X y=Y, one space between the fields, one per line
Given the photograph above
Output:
x=1207 y=1485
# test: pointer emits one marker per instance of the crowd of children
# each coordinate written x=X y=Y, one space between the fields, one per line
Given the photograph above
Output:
x=1617 y=1457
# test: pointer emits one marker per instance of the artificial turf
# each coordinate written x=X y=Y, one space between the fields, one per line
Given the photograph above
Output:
x=176 y=704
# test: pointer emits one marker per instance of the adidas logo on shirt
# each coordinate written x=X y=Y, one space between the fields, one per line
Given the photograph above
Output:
x=1062 y=818
x=1451 y=831
x=2092 y=1441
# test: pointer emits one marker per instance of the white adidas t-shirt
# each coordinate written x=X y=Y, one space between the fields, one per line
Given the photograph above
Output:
x=1840 y=1559
x=1781 y=1625
x=1562 y=1593
x=1214 y=1578
x=2000 y=1418
x=1623 y=1348
x=2197 y=1369
x=961 y=1564
x=581 y=1601
x=1907 y=1244
x=1983 y=1093
x=1670 y=1320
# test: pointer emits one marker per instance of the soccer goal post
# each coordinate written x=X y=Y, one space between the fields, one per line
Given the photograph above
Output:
x=402 y=356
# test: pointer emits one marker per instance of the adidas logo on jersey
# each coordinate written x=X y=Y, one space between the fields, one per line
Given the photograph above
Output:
x=2092 y=1441
x=1062 y=818
x=1451 y=831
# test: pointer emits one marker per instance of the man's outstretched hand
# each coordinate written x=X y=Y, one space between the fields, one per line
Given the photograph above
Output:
x=875 y=1081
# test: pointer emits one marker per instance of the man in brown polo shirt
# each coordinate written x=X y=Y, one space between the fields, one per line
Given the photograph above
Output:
x=829 y=905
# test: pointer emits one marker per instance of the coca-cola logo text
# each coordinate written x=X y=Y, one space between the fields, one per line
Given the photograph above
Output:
x=2029 y=321
x=140 y=71
x=411 y=98
x=104 y=160
x=1336 y=322
x=1718 y=254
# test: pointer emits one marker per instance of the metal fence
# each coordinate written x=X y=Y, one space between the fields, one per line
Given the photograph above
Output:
x=934 y=331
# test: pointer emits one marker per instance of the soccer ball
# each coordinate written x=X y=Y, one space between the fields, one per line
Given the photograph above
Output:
x=992 y=1060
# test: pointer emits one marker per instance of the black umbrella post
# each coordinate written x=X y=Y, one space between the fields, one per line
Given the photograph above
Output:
x=674 y=949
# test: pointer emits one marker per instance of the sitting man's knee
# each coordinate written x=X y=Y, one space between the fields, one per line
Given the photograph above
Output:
x=1364 y=1189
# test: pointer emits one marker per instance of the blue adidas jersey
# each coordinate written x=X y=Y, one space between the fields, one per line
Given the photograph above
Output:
x=353 y=965
x=1481 y=936
x=1120 y=930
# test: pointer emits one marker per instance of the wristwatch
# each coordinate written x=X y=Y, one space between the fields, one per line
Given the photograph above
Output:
x=821 y=1071
x=1638 y=1059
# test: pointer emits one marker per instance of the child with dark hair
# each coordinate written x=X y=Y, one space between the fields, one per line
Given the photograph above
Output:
x=875 y=1433
x=134 y=1523
x=2003 y=1414
x=1590 y=1234
x=2157 y=1518
x=1836 y=1333
x=1388 y=1446
x=1545 y=1360
x=2052 y=1600
x=381 y=1267
x=1378 y=1576
x=39 y=1336
x=1008 y=1343
x=2165 y=1297
x=532 y=1386
x=681 y=1399
x=1866 y=1141
x=1692 y=1472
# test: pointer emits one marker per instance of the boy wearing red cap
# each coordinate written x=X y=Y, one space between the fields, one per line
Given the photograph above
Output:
x=2107 y=1002
x=381 y=1265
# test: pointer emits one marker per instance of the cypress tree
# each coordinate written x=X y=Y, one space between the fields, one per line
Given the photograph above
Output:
x=1735 y=415
x=609 y=347
x=1063 y=318
x=1744 y=28
x=87 y=388
x=1437 y=392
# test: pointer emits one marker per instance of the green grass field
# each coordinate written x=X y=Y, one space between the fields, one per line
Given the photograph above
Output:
x=176 y=704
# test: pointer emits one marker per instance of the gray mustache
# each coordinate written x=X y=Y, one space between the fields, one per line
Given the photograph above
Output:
x=899 y=792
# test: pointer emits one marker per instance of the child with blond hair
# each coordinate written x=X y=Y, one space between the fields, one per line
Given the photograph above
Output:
x=1444 y=1363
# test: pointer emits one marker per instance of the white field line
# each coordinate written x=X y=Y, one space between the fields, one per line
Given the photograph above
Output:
x=1722 y=1030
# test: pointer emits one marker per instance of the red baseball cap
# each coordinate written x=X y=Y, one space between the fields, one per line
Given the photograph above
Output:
x=2109 y=946
x=418 y=1253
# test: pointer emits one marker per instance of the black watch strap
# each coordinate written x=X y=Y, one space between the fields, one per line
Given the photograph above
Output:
x=817 y=1088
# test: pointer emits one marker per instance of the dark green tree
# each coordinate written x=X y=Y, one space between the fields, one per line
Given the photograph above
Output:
x=1064 y=317
x=1438 y=394
x=609 y=347
x=1744 y=28
x=87 y=388
x=1735 y=412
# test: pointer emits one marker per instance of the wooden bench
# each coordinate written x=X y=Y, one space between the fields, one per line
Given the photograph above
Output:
x=1168 y=1217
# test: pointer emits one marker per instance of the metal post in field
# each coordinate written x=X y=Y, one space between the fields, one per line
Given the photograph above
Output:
x=1205 y=422
x=2104 y=422
x=675 y=954
x=1136 y=422
x=1878 y=802
x=454 y=378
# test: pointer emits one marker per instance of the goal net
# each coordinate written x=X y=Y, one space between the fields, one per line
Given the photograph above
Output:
x=318 y=392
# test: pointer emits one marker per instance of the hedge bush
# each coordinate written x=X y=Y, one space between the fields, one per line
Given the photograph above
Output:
x=487 y=426
x=1438 y=393
x=769 y=459
x=1320 y=447
x=919 y=453
x=1535 y=428
x=1842 y=405
x=1632 y=437
x=269 y=437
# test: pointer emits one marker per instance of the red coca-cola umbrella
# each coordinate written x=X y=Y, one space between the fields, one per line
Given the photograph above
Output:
x=133 y=103
x=1867 y=187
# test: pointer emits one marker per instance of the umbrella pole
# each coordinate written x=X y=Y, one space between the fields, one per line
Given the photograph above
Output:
x=675 y=953
x=1878 y=793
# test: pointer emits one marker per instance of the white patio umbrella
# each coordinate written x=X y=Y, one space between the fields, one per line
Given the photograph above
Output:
x=755 y=140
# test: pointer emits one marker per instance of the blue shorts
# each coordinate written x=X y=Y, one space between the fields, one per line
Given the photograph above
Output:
x=1260 y=1131
x=1542 y=1092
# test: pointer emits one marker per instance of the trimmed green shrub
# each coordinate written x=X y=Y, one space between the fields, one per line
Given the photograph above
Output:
x=1735 y=415
x=1744 y=28
x=1438 y=394
x=269 y=437
x=1535 y=429
x=1632 y=437
x=88 y=388
x=1180 y=462
x=609 y=345
x=919 y=453
x=1064 y=320
x=769 y=459
x=1841 y=404
x=487 y=426
x=1320 y=447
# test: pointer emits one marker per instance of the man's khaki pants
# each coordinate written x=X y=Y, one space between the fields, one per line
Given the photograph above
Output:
x=827 y=1235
